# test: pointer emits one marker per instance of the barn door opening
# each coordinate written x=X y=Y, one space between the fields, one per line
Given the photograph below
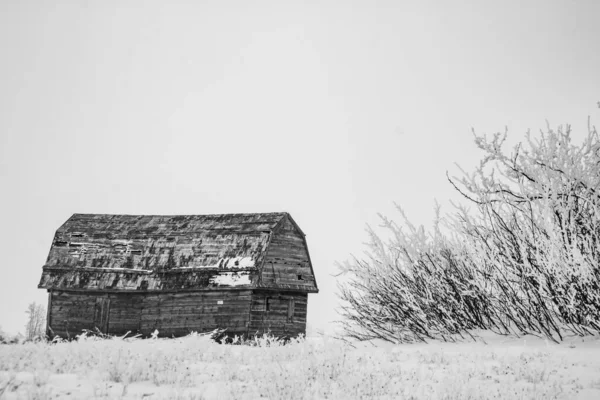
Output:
x=101 y=313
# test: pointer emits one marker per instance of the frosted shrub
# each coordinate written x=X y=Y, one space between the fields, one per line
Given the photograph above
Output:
x=524 y=259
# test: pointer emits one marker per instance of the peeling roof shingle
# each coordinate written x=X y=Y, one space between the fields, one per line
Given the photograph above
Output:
x=139 y=252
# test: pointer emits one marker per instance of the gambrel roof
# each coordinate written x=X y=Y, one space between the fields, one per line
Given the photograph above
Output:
x=157 y=253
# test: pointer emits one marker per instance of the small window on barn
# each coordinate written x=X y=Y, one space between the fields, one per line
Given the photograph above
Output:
x=268 y=304
x=299 y=277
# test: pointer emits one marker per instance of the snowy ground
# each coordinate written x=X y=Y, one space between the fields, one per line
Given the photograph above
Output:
x=196 y=368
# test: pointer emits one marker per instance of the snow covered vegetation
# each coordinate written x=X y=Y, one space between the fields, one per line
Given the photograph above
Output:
x=195 y=367
x=522 y=256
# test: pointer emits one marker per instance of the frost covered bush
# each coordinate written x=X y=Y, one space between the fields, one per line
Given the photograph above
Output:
x=523 y=258
x=6 y=338
x=36 y=322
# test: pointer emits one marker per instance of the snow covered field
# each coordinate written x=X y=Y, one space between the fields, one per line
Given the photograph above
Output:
x=318 y=368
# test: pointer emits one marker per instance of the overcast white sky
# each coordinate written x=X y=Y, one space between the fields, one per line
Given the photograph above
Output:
x=329 y=111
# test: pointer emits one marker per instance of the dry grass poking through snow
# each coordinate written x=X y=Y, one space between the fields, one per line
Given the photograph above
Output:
x=318 y=368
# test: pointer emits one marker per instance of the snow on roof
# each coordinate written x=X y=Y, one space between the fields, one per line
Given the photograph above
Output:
x=138 y=252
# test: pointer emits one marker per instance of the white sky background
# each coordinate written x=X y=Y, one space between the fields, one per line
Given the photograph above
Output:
x=329 y=112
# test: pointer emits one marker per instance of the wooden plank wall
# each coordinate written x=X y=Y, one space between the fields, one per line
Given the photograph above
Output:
x=178 y=314
x=72 y=312
x=172 y=314
x=125 y=312
x=287 y=261
x=285 y=316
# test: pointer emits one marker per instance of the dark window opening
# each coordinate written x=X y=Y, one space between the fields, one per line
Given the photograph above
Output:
x=268 y=304
x=300 y=277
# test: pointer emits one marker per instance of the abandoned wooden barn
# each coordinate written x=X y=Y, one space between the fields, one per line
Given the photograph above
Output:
x=248 y=273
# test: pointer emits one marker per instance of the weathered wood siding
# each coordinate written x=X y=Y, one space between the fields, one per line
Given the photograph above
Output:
x=172 y=314
x=178 y=314
x=281 y=313
x=70 y=313
x=125 y=313
x=287 y=263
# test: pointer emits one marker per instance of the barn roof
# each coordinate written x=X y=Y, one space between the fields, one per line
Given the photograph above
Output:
x=150 y=252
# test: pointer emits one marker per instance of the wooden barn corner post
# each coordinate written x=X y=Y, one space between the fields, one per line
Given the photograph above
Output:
x=48 y=331
x=178 y=274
